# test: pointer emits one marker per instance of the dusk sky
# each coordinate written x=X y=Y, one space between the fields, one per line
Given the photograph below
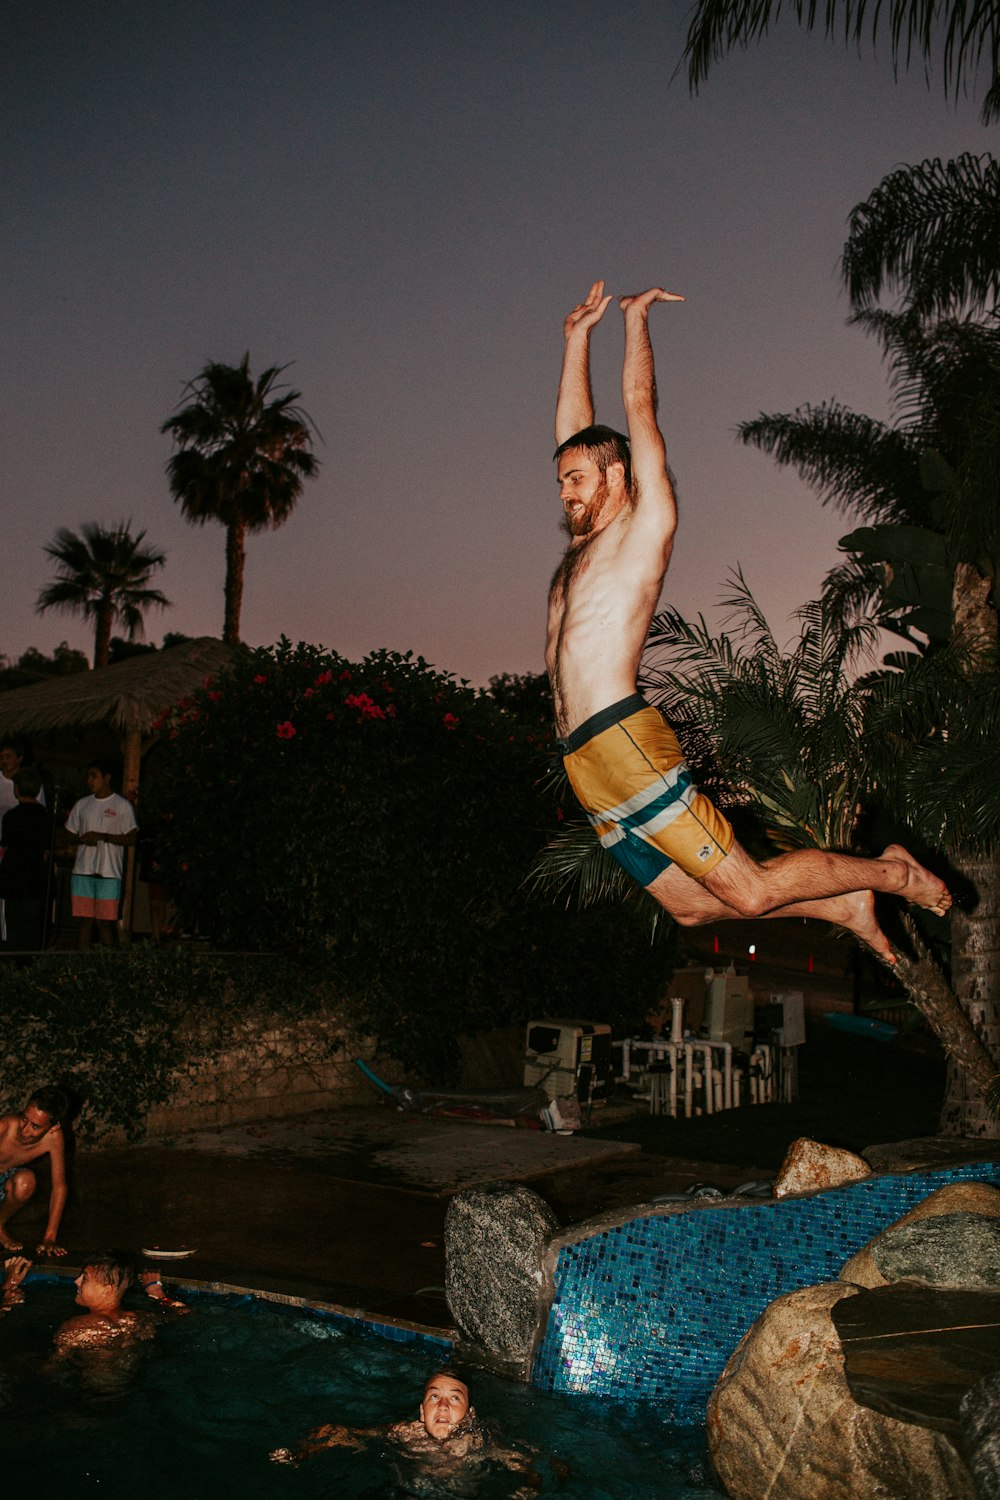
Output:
x=401 y=199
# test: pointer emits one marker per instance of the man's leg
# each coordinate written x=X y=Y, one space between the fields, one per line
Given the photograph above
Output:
x=815 y=874
x=693 y=903
x=14 y=1195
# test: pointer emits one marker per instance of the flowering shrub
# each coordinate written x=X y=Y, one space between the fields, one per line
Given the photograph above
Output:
x=385 y=815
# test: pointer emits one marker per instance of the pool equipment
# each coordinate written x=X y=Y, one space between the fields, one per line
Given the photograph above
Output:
x=566 y=1057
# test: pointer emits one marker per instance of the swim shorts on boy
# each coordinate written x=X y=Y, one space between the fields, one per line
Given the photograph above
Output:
x=95 y=896
x=626 y=766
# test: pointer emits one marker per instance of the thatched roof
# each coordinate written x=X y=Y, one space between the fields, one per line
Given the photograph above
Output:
x=128 y=697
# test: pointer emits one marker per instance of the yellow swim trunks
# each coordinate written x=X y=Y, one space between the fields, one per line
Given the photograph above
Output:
x=628 y=771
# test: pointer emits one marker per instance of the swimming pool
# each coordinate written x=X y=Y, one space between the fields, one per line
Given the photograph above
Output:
x=194 y=1414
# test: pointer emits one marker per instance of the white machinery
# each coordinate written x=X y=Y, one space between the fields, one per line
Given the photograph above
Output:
x=566 y=1057
x=729 y=1010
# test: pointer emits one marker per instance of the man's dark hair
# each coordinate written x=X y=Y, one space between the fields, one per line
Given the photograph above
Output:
x=605 y=446
x=27 y=782
x=20 y=747
x=52 y=1101
x=107 y=767
x=116 y=1268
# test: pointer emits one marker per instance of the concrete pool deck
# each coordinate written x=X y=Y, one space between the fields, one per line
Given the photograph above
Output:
x=348 y=1207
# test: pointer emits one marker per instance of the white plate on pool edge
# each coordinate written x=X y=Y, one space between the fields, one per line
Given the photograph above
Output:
x=157 y=1254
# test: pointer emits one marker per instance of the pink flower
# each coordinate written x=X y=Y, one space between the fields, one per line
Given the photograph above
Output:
x=450 y=721
x=215 y=697
x=345 y=676
x=324 y=678
x=309 y=693
x=287 y=730
x=260 y=679
x=366 y=706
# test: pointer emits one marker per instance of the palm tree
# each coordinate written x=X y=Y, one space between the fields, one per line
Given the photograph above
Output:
x=929 y=562
x=932 y=231
x=955 y=33
x=243 y=451
x=103 y=574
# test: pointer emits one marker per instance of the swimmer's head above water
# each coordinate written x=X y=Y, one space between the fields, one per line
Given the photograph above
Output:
x=445 y=1405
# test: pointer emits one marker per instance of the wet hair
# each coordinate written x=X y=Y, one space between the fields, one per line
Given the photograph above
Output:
x=604 y=445
x=52 y=1101
x=27 y=782
x=447 y=1375
x=115 y=1268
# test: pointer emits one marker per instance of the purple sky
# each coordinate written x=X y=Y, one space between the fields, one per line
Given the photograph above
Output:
x=401 y=199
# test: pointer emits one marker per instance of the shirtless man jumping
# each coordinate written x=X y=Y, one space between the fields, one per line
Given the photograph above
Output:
x=622 y=759
x=35 y=1132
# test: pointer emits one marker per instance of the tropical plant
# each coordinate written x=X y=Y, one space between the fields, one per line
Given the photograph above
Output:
x=931 y=232
x=243 y=451
x=951 y=34
x=928 y=562
x=103 y=574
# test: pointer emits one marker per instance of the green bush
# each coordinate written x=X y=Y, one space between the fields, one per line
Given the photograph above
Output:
x=384 y=816
x=109 y=1025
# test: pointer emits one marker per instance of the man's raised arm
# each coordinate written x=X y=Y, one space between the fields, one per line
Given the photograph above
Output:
x=649 y=456
x=575 y=404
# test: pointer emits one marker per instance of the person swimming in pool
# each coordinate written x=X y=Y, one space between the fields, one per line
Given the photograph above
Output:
x=622 y=759
x=445 y=1439
x=100 y=1287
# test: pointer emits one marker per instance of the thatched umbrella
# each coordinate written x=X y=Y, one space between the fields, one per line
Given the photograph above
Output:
x=127 y=698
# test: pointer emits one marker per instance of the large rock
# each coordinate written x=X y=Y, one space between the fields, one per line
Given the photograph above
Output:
x=980 y=1412
x=494 y=1238
x=808 y=1165
x=782 y=1424
x=927 y=1153
x=951 y=1250
x=957 y=1198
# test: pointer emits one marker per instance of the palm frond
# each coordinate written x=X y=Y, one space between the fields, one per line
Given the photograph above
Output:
x=853 y=461
x=912 y=29
x=931 y=231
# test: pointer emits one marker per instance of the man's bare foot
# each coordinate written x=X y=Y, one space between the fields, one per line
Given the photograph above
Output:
x=856 y=912
x=921 y=888
x=7 y=1243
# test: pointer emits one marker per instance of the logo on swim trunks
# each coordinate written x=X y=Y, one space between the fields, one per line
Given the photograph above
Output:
x=704 y=851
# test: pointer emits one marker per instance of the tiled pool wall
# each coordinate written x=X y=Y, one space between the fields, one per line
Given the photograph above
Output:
x=650 y=1309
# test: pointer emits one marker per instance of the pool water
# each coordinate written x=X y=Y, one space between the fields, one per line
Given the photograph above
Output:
x=193 y=1414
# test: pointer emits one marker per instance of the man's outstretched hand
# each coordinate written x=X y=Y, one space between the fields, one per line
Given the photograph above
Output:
x=588 y=313
x=643 y=301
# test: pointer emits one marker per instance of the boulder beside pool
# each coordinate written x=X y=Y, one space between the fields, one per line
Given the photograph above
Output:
x=495 y=1237
x=895 y=1253
x=782 y=1421
x=809 y=1166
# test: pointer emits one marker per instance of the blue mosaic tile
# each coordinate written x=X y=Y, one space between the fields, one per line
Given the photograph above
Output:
x=650 y=1310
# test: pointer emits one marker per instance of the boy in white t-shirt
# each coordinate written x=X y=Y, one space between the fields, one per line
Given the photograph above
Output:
x=102 y=824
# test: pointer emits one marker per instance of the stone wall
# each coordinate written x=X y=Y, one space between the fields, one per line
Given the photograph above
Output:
x=272 y=1068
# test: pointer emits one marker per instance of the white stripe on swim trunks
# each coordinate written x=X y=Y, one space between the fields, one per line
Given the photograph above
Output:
x=667 y=781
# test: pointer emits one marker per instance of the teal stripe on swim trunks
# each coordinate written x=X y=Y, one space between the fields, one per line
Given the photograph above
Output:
x=655 y=807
